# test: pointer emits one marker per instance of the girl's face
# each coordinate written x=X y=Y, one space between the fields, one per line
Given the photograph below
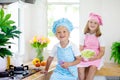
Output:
x=93 y=25
x=62 y=33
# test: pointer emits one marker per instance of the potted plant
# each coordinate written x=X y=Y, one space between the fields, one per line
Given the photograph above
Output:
x=115 y=52
x=7 y=31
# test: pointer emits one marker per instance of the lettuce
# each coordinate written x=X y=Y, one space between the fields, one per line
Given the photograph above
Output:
x=87 y=54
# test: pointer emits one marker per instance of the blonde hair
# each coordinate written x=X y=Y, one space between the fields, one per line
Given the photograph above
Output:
x=87 y=30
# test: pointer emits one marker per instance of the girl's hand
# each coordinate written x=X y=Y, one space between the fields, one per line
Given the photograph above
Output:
x=92 y=59
x=65 y=64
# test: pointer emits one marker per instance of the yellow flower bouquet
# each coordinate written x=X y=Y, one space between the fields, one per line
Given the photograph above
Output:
x=39 y=43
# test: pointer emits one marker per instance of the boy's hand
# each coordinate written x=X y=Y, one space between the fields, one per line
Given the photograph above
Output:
x=43 y=72
x=65 y=64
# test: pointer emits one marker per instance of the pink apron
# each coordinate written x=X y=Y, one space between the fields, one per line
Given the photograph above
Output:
x=91 y=42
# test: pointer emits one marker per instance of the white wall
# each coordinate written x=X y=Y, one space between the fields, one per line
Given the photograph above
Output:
x=33 y=22
x=109 y=10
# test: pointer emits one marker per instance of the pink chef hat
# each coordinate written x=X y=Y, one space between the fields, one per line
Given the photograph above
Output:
x=96 y=17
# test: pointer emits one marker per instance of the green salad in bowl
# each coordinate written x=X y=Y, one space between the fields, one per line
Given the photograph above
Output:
x=86 y=54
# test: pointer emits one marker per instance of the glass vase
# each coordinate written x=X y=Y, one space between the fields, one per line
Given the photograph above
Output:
x=40 y=54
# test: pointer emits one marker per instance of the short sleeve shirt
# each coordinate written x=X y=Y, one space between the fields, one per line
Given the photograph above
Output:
x=101 y=40
x=75 y=49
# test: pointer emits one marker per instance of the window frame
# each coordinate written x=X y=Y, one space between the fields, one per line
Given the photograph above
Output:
x=62 y=3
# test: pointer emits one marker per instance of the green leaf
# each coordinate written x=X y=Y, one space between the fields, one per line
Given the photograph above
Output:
x=3 y=40
x=1 y=14
x=4 y=20
x=4 y=29
x=4 y=52
x=7 y=16
x=16 y=32
x=10 y=22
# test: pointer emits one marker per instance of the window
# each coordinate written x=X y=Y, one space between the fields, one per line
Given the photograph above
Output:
x=63 y=8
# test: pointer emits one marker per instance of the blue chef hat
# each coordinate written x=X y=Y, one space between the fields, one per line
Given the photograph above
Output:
x=62 y=22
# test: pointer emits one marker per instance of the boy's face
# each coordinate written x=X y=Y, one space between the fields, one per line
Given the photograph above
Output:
x=93 y=25
x=62 y=33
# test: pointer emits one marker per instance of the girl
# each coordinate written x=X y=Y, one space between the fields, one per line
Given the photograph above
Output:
x=92 y=40
x=66 y=52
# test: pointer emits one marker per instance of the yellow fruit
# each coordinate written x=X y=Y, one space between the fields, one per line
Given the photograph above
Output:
x=35 y=60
